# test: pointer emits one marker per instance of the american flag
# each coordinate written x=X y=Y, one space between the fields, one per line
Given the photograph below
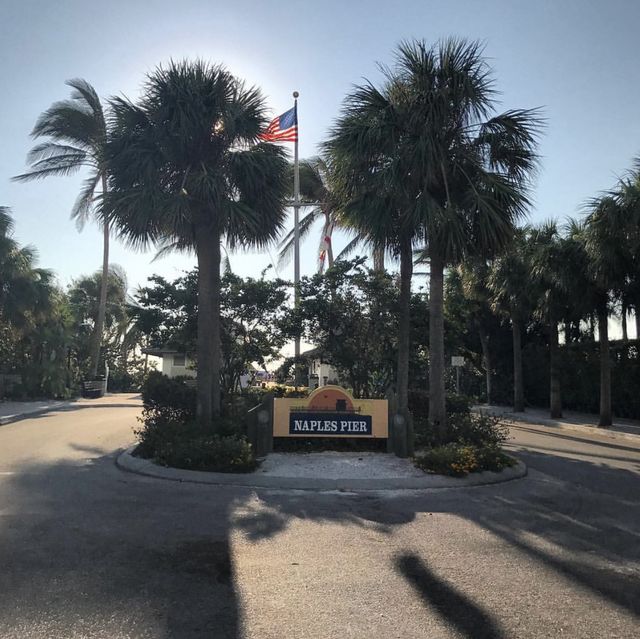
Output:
x=284 y=128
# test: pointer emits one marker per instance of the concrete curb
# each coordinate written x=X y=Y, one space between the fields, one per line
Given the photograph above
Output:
x=127 y=462
x=516 y=418
x=10 y=419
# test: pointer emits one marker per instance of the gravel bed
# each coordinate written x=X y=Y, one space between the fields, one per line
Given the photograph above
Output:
x=338 y=465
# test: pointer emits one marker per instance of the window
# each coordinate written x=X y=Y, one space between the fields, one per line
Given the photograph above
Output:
x=178 y=360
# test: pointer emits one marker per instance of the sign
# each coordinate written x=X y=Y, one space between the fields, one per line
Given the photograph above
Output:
x=330 y=411
x=457 y=360
x=329 y=424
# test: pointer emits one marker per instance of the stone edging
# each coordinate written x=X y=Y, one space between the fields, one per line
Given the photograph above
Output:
x=126 y=461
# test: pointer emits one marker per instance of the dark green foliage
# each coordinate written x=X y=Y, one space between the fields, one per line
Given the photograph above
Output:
x=168 y=399
x=580 y=373
x=472 y=443
x=463 y=427
x=351 y=315
x=458 y=459
x=321 y=444
x=252 y=310
x=193 y=447
x=419 y=403
x=171 y=436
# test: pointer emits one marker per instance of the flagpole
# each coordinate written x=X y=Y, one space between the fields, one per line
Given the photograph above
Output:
x=296 y=236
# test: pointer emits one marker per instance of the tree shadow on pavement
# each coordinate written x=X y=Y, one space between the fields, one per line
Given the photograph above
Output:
x=89 y=551
x=457 y=610
x=579 y=520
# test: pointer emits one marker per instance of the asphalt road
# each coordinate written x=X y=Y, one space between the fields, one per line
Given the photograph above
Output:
x=88 y=551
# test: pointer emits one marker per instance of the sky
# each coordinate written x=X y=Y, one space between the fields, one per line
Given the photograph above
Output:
x=577 y=59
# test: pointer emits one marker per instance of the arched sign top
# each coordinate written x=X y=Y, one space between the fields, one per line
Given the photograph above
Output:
x=330 y=398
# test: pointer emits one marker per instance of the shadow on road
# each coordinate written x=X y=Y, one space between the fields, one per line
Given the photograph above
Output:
x=88 y=551
x=457 y=610
x=84 y=546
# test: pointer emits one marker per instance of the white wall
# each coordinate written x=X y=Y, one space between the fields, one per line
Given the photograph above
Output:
x=171 y=369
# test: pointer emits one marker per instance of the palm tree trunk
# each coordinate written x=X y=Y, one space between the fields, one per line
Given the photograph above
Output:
x=555 y=397
x=437 y=405
x=625 y=331
x=486 y=360
x=96 y=338
x=404 y=326
x=605 y=369
x=208 y=342
x=378 y=259
x=518 y=385
x=329 y=233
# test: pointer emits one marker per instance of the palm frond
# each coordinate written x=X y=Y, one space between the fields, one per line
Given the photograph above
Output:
x=84 y=204
x=349 y=249
x=285 y=246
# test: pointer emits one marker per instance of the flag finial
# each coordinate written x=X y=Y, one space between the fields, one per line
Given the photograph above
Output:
x=295 y=94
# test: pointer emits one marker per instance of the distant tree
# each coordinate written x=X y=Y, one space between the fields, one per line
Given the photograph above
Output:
x=605 y=238
x=350 y=314
x=253 y=313
x=84 y=297
x=512 y=297
x=553 y=277
x=77 y=136
x=471 y=278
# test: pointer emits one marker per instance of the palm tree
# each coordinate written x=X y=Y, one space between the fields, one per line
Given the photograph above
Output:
x=187 y=170
x=423 y=160
x=316 y=190
x=627 y=196
x=77 y=135
x=512 y=297
x=605 y=237
x=555 y=271
x=25 y=290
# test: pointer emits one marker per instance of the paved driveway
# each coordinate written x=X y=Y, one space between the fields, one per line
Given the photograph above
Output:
x=89 y=551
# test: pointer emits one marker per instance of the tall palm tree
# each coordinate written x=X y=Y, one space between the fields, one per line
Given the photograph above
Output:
x=187 y=170
x=605 y=237
x=627 y=196
x=77 y=136
x=424 y=159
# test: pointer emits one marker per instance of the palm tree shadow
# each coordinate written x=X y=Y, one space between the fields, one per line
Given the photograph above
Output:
x=456 y=609
x=125 y=557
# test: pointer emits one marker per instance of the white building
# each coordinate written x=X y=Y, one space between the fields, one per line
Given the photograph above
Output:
x=174 y=363
x=320 y=373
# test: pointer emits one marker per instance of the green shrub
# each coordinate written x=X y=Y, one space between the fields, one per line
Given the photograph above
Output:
x=169 y=397
x=458 y=460
x=170 y=434
x=190 y=446
x=464 y=428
